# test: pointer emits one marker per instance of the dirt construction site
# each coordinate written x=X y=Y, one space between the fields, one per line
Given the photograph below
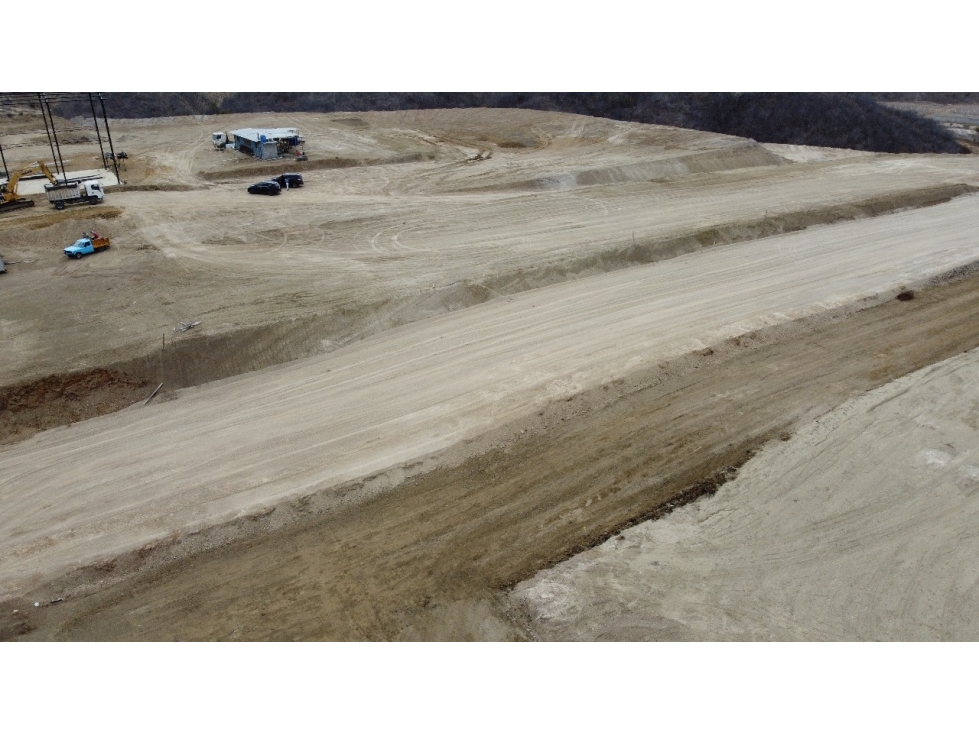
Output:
x=491 y=375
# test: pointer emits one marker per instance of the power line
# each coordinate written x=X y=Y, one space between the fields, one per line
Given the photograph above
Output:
x=42 y=102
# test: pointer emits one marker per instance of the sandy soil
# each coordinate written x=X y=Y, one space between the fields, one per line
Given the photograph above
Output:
x=363 y=248
x=431 y=559
x=453 y=284
x=811 y=153
x=861 y=527
x=93 y=490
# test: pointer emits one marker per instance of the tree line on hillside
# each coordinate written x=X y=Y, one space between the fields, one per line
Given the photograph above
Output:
x=856 y=121
x=143 y=104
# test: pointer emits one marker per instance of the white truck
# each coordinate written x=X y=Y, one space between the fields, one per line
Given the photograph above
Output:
x=75 y=192
x=221 y=140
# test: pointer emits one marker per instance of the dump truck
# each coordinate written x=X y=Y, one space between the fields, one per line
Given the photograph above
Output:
x=75 y=192
x=86 y=245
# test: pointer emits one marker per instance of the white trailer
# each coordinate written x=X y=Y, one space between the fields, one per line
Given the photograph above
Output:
x=75 y=192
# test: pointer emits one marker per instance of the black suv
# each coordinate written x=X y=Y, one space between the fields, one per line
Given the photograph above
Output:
x=269 y=188
x=289 y=180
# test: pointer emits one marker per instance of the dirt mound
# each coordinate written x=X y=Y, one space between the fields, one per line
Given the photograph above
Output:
x=157 y=187
x=83 y=214
x=746 y=155
x=52 y=231
x=254 y=168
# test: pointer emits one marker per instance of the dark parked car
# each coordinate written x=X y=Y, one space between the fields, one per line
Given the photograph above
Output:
x=3 y=266
x=269 y=188
x=289 y=180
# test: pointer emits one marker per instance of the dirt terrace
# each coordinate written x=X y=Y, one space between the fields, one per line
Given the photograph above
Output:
x=433 y=559
x=538 y=231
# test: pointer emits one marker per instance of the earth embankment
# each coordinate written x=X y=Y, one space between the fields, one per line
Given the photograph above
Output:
x=860 y=526
x=393 y=334
x=433 y=559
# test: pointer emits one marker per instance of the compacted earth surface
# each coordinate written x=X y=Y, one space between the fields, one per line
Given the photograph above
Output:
x=861 y=526
x=490 y=374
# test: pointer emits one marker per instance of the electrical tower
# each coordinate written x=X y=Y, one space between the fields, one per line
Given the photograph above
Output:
x=42 y=101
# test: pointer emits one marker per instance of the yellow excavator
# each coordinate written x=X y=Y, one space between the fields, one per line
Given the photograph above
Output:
x=9 y=198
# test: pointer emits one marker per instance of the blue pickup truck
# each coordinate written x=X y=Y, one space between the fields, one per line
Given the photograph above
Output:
x=87 y=245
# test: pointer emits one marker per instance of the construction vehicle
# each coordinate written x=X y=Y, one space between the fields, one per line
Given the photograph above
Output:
x=221 y=140
x=9 y=198
x=75 y=192
x=86 y=245
x=252 y=140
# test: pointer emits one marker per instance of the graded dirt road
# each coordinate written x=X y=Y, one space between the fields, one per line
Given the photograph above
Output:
x=424 y=561
x=457 y=284
x=88 y=492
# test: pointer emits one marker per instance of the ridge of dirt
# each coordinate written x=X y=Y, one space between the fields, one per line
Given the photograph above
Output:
x=426 y=561
x=654 y=250
x=250 y=170
x=746 y=155
x=705 y=487
x=51 y=218
x=122 y=188
x=199 y=358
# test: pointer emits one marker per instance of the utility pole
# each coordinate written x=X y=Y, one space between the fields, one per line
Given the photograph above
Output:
x=98 y=135
x=115 y=162
x=54 y=158
x=54 y=132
